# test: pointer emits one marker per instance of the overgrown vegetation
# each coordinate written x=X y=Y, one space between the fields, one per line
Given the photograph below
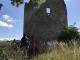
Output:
x=70 y=33
x=10 y=50
x=56 y=51
x=61 y=51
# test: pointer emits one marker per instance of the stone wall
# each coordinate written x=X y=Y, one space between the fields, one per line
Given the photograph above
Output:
x=44 y=26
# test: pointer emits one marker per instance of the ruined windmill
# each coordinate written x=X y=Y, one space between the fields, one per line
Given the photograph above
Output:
x=46 y=21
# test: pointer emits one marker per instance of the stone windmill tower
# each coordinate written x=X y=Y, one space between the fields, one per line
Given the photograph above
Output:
x=46 y=21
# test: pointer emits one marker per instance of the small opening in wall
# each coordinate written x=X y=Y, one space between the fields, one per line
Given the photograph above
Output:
x=48 y=11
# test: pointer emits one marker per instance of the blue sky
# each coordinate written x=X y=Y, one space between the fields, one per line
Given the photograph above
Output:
x=11 y=18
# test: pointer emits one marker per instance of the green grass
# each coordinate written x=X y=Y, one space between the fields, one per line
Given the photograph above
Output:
x=57 y=51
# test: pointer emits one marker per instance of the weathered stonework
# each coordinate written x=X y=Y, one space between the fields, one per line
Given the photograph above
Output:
x=45 y=27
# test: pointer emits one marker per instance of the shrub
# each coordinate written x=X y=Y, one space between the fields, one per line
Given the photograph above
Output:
x=69 y=33
x=3 y=56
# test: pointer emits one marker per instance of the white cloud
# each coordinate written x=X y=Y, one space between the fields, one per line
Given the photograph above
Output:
x=10 y=25
x=4 y=24
x=6 y=21
x=7 y=18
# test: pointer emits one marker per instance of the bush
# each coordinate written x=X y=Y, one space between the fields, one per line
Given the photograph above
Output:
x=3 y=56
x=69 y=33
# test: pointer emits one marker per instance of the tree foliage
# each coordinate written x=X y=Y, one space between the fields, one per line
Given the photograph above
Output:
x=17 y=3
x=1 y=5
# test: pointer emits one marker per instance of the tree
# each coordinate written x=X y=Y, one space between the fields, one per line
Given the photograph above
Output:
x=1 y=5
x=19 y=2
